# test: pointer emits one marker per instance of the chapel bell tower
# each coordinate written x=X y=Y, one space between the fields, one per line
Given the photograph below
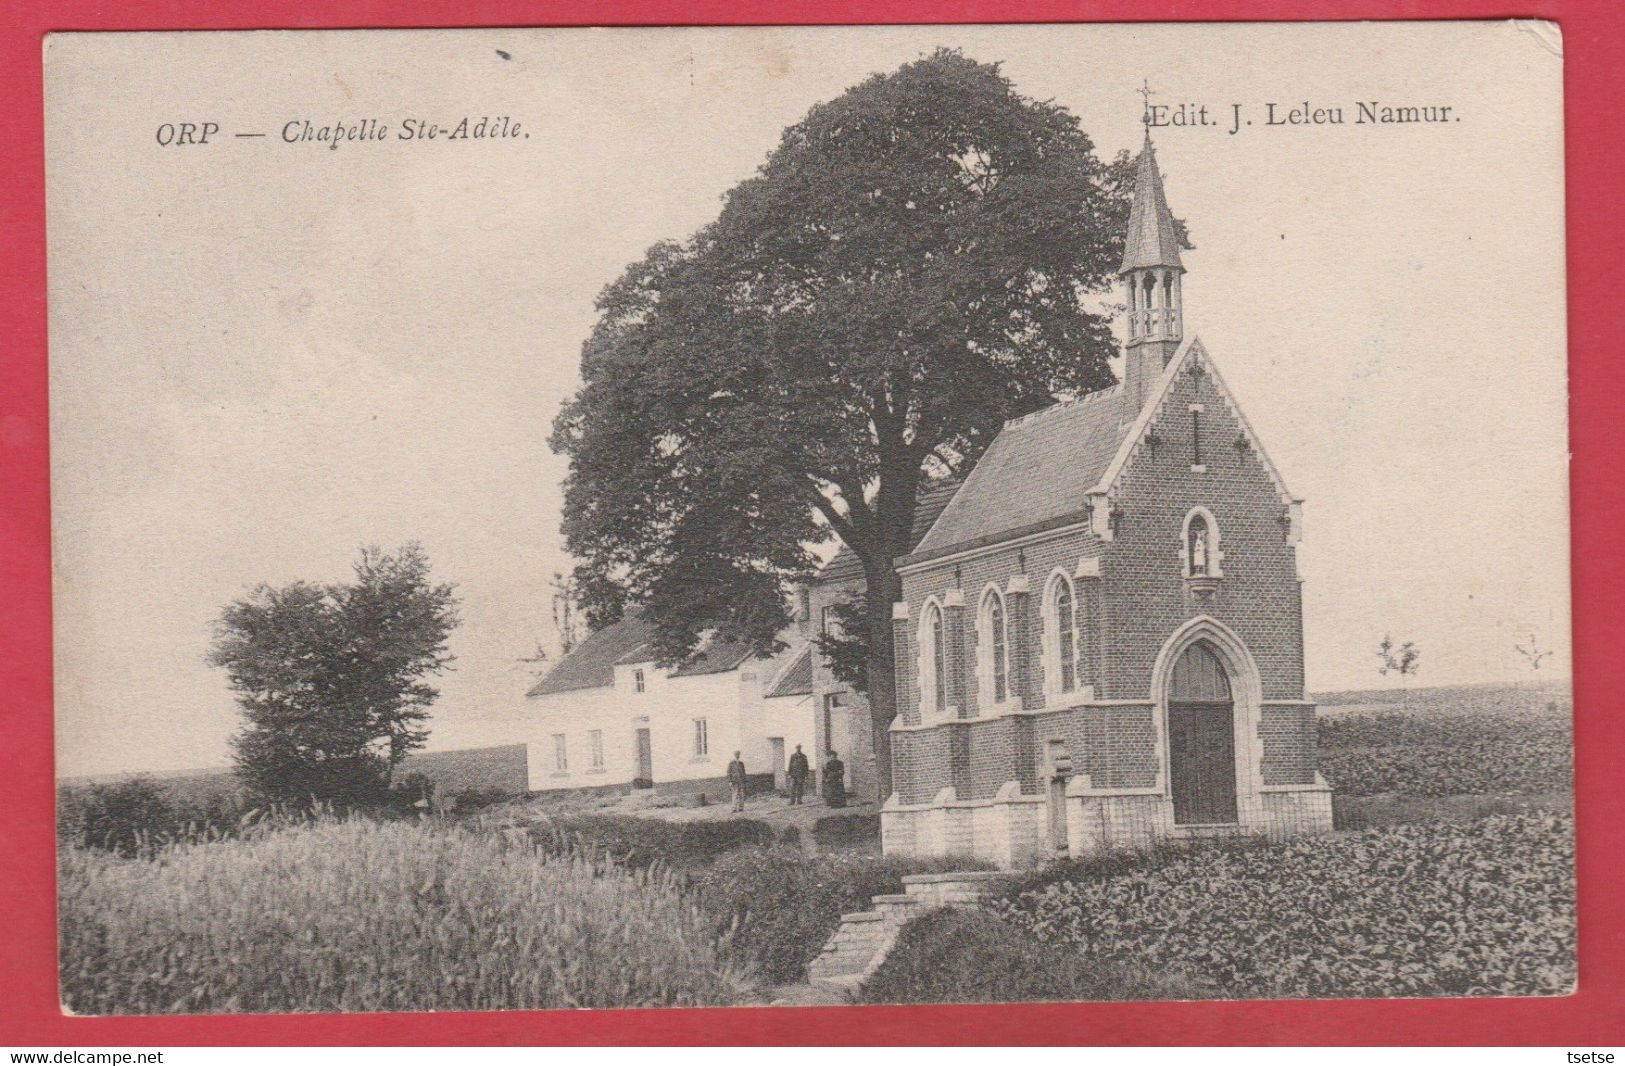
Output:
x=1151 y=271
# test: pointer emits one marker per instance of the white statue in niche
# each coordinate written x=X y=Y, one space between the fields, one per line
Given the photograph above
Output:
x=1198 y=548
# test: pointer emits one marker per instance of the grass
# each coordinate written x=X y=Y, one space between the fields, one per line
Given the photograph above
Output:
x=358 y=915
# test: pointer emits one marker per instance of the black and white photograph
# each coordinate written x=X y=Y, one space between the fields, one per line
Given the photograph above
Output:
x=699 y=517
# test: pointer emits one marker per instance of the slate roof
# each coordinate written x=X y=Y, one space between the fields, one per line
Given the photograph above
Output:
x=1038 y=470
x=591 y=664
x=796 y=681
x=927 y=506
x=1151 y=240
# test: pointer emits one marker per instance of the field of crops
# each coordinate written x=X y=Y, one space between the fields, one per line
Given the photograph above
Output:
x=609 y=910
x=360 y=915
x=1481 y=908
x=1447 y=742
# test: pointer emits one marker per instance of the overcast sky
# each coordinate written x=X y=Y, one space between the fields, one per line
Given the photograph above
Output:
x=265 y=355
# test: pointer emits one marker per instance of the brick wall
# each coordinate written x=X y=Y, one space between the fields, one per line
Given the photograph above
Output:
x=1145 y=593
x=1289 y=737
x=1125 y=616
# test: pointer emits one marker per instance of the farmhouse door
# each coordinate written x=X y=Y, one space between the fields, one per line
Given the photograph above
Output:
x=779 y=780
x=646 y=761
x=1201 y=740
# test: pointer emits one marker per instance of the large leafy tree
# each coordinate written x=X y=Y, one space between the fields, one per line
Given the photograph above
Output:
x=331 y=679
x=913 y=265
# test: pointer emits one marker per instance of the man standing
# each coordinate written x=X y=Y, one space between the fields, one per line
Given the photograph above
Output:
x=834 y=782
x=798 y=776
x=736 y=781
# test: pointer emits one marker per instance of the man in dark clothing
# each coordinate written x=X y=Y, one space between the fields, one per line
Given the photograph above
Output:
x=736 y=782
x=798 y=776
x=834 y=782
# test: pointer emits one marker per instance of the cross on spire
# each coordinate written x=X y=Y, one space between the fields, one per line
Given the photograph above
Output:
x=1145 y=92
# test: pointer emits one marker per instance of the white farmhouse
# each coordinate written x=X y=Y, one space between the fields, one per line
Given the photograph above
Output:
x=609 y=716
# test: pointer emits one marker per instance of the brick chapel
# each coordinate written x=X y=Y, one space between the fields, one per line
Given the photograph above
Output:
x=1100 y=639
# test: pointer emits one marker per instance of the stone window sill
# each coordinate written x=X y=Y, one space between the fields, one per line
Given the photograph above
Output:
x=1058 y=701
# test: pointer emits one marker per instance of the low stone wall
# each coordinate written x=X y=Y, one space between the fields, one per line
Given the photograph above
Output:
x=1013 y=829
x=1007 y=830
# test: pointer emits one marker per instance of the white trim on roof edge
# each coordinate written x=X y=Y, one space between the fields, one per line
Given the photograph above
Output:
x=1147 y=415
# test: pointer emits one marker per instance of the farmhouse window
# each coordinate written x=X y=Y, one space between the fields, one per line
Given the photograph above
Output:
x=596 y=740
x=561 y=758
x=637 y=680
x=702 y=739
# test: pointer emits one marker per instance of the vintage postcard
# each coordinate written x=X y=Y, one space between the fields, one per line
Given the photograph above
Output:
x=685 y=517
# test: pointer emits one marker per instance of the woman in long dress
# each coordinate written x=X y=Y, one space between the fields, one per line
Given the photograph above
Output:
x=834 y=782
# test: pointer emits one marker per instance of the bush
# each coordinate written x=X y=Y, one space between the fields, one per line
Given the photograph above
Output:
x=642 y=842
x=780 y=905
x=958 y=955
x=358 y=915
x=140 y=814
x=847 y=830
x=1437 y=909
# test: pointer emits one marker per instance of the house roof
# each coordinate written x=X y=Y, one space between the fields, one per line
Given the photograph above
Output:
x=1152 y=239
x=1039 y=469
x=927 y=506
x=591 y=664
x=797 y=679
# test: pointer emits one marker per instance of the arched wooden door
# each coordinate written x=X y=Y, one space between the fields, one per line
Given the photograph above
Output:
x=1201 y=739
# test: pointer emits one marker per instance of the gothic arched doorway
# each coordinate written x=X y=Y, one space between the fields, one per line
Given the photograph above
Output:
x=1201 y=739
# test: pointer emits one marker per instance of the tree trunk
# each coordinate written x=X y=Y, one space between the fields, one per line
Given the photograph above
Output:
x=884 y=588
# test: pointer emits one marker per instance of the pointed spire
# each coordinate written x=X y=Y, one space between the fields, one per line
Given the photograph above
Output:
x=1151 y=240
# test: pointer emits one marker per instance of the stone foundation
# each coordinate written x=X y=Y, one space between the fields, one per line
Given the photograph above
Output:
x=1007 y=830
x=1013 y=828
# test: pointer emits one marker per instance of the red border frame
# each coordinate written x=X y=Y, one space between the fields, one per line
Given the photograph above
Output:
x=1595 y=86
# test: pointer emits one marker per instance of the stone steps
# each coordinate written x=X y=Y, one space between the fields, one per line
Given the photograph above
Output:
x=864 y=938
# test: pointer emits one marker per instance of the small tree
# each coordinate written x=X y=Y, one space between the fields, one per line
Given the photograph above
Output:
x=566 y=618
x=1402 y=659
x=1532 y=654
x=330 y=678
x=537 y=663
